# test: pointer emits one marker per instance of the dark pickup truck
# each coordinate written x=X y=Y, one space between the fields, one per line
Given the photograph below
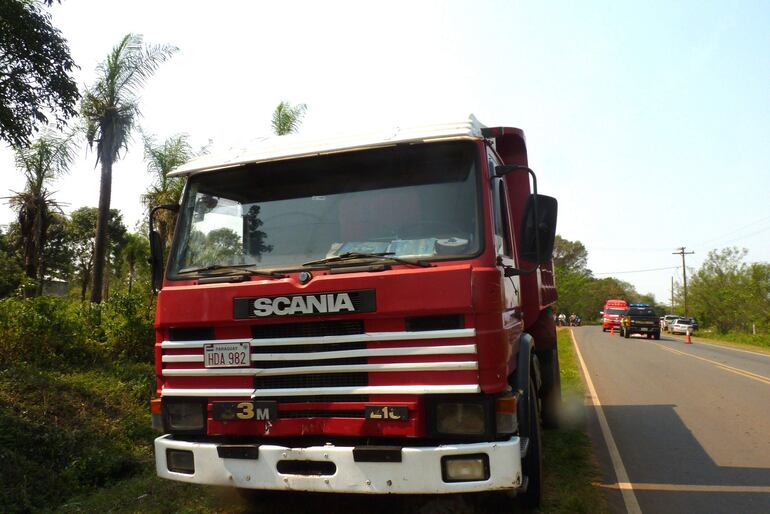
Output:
x=640 y=320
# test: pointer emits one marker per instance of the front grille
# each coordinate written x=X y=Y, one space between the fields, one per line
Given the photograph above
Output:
x=314 y=329
x=312 y=380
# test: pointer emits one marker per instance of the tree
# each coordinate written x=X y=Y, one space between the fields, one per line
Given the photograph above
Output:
x=35 y=66
x=110 y=109
x=10 y=267
x=134 y=255
x=287 y=119
x=46 y=159
x=570 y=255
x=162 y=159
x=82 y=241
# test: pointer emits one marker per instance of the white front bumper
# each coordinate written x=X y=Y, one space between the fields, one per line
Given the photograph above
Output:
x=418 y=473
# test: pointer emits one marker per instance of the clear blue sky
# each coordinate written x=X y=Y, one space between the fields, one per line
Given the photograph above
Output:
x=649 y=121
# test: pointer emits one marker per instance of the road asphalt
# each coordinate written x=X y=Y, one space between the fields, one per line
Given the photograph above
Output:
x=690 y=422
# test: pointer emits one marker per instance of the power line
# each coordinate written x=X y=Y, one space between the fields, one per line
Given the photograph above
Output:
x=733 y=231
x=635 y=271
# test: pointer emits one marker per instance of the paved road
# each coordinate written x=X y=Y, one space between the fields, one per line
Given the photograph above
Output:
x=691 y=424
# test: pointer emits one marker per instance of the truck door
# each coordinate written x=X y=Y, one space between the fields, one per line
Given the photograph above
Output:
x=504 y=254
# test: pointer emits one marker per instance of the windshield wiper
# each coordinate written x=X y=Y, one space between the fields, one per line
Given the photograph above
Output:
x=231 y=268
x=383 y=256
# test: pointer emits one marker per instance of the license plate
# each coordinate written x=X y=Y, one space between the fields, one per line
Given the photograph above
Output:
x=226 y=355
x=644 y=329
x=256 y=411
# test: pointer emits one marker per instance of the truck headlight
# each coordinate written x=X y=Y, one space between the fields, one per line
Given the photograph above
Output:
x=465 y=468
x=184 y=416
x=459 y=418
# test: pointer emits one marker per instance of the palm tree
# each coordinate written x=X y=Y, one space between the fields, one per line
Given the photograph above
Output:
x=47 y=158
x=110 y=109
x=287 y=119
x=162 y=159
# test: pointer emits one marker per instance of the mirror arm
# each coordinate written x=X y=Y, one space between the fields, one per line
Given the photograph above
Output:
x=503 y=170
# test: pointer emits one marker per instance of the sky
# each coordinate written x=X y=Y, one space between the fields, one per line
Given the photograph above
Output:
x=649 y=121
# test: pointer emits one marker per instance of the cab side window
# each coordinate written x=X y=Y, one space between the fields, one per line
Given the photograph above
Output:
x=501 y=220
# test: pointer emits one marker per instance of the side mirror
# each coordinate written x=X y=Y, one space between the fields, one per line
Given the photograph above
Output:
x=156 y=260
x=601 y=313
x=539 y=229
x=156 y=248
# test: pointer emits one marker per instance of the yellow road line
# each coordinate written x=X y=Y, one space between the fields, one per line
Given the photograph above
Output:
x=629 y=498
x=695 y=488
x=737 y=371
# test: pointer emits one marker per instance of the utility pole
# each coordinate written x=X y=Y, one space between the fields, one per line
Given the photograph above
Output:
x=684 y=276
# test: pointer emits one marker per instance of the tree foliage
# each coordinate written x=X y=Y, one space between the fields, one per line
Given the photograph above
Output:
x=287 y=118
x=729 y=294
x=82 y=242
x=582 y=293
x=41 y=163
x=162 y=159
x=35 y=67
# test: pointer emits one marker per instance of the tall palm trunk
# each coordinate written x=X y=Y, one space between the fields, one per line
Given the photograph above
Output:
x=100 y=248
x=40 y=230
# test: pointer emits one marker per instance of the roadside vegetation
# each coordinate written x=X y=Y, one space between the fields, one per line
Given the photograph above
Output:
x=729 y=297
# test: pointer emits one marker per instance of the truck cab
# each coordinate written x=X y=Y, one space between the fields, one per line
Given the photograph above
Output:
x=612 y=314
x=362 y=314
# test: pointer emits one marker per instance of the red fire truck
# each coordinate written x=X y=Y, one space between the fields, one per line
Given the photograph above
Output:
x=359 y=314
x=612 y=314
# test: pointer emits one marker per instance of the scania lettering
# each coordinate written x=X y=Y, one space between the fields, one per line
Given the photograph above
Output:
x=363 y=314
x=283 y=306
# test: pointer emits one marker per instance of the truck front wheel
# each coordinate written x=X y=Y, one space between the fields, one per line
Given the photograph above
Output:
x=532 y=464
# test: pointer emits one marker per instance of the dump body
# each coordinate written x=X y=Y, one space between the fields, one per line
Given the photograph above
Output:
x=330 y=306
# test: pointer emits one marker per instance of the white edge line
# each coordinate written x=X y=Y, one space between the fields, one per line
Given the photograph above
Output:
x=629 y=498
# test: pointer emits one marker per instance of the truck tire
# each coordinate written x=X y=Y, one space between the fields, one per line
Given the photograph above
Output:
x=656 y=335
x=550 y=391
x=532 y=464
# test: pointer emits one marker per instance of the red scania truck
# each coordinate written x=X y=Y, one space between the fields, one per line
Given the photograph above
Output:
x=359 y=314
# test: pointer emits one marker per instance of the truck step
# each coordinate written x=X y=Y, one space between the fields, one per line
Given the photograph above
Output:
x=524 y=446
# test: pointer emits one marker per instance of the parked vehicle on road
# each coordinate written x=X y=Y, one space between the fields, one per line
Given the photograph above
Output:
x=321 y=328
x=640 y=320
x=667 y=320
x=682 y=325
x=612 y=314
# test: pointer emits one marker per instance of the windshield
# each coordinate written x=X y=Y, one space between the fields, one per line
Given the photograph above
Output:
x=616 y=312
x=408 y=201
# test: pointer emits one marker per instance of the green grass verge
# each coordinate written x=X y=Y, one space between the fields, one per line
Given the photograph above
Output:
x=570 y=467
x=759 y=342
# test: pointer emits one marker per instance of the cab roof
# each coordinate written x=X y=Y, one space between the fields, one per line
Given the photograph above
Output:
x=295 y=146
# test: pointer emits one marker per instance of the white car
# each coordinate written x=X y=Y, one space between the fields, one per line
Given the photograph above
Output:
x=681 y=326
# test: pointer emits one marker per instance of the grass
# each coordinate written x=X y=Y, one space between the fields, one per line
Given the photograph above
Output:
x=570 y=468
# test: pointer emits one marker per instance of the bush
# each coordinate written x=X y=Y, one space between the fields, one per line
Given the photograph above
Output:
x=44 y=331
x=127 y=321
